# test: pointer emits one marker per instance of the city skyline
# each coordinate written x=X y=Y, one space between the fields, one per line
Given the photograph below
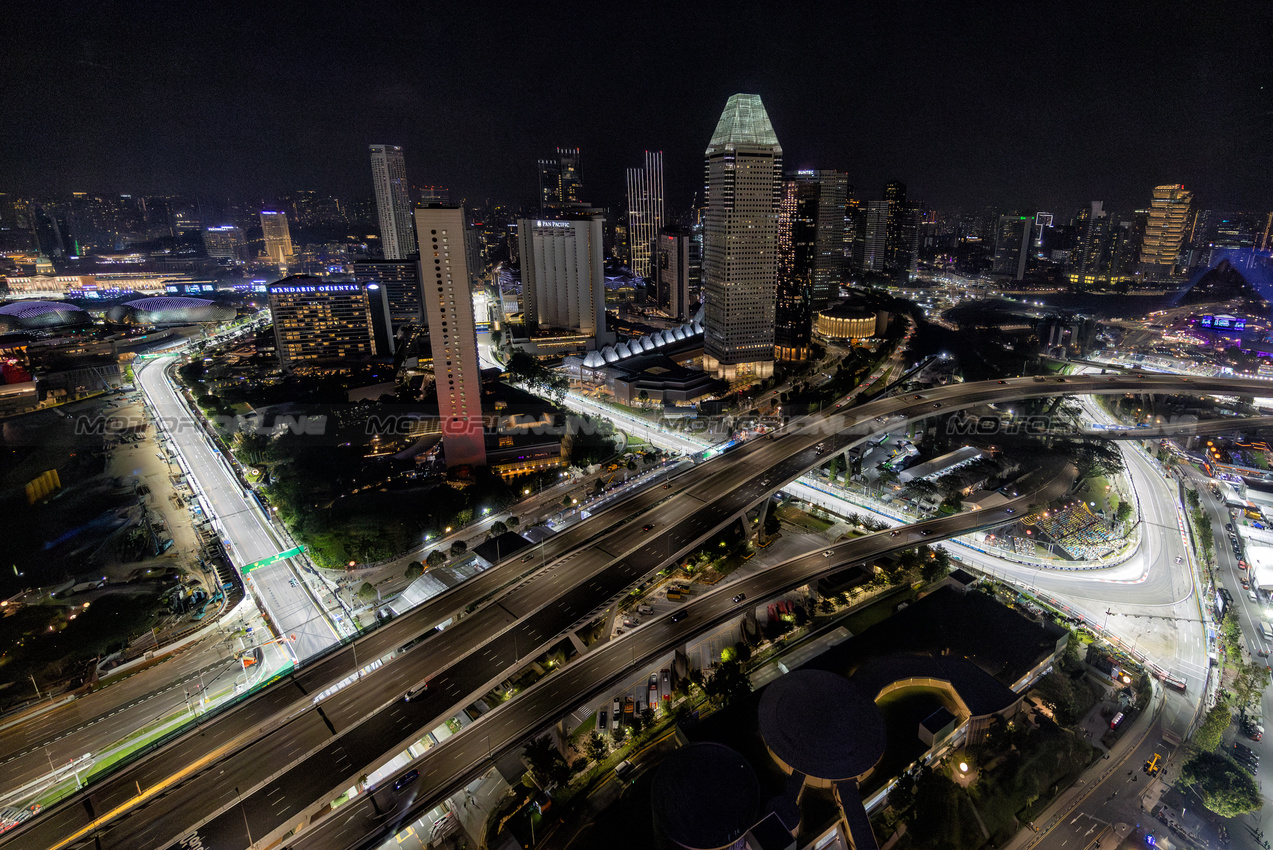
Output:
x=1095 y=116
x=489 y=429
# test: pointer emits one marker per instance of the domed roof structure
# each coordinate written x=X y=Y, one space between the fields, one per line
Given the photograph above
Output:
x=698 y=326
x=621 y=351
x=594 y=360
x=820 y=724
x=678 y=332
x=660 y=340
x=169 y=310
x=609 y=355
x=39 y=315
x=704 y=796
x=646 y=343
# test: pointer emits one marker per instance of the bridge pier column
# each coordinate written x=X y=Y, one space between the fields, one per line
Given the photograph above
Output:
x=750 y=627
x=681 y=665
x=560 y=736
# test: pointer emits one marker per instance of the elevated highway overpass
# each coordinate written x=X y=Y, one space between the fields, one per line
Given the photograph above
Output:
x=186 y=783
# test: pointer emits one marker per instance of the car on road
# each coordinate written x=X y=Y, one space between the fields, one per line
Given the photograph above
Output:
x=925 y=531
x=1010 y=510
x=1003 y=382
x=678 y=616
x=895 y=532
x=1251 y=595
x=647 y=526
x=936 y=404
x=406 y=779
x=740 y=597
x=1245 y=584
x=826 y=554
x=1179 y=560
x=415 y=692
x=918 y=397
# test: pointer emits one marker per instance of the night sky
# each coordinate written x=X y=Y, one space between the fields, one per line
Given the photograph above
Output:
x=1041 y=106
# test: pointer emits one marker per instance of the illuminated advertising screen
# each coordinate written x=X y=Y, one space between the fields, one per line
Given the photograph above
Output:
x=1205 y=322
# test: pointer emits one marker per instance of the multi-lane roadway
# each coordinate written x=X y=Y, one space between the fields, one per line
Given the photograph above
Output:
x=236 y=515
x=702 y=502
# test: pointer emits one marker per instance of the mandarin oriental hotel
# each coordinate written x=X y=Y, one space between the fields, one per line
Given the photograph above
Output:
x=317 y=323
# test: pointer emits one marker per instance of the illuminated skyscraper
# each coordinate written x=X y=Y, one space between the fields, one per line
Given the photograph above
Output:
x=448 y=306
x=672 y=272
x=901 y=250
x=560 y=181
x=871 y=236
x=740 y=240
x=645 y=211
x=401 y=281
x=797 y=256
x=563 y=275
x=224 y=243
x=823 y=197
x=393 y=205
x=1012 y=245
x=278 y=239
x=1169 y=221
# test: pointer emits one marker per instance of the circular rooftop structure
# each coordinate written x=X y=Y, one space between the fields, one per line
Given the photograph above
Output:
x=821 y=725
x=169 y=310
x=37 y=315
x=705 y=796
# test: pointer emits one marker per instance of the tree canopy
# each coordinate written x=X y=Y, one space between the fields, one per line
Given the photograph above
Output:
x=1225 y=788
x=1211 y=730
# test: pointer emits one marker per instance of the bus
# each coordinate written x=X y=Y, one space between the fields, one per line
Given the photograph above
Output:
x=1117 y=721
x=1176 y=682
x=1266 y=631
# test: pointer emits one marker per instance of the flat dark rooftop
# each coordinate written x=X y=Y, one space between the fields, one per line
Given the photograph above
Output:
x=973 y=625
x=502 y=546
x=820 y=724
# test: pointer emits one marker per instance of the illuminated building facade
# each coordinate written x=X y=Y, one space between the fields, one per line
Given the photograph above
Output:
x=1012 y=245
x=560 y=181
x=672 y=272
x=319 y=324
x=278 y=239
x=401 y=280
x=740 y=240
x=563 y=275
x=225 y=243
x=393 y=206
x=448 y=306
x=797 y=255
x=645 y=212
x=1170 y=213
x=871 y=236
x=851 y=323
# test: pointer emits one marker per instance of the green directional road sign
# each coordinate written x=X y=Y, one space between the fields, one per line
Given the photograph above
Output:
x=273 y=559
